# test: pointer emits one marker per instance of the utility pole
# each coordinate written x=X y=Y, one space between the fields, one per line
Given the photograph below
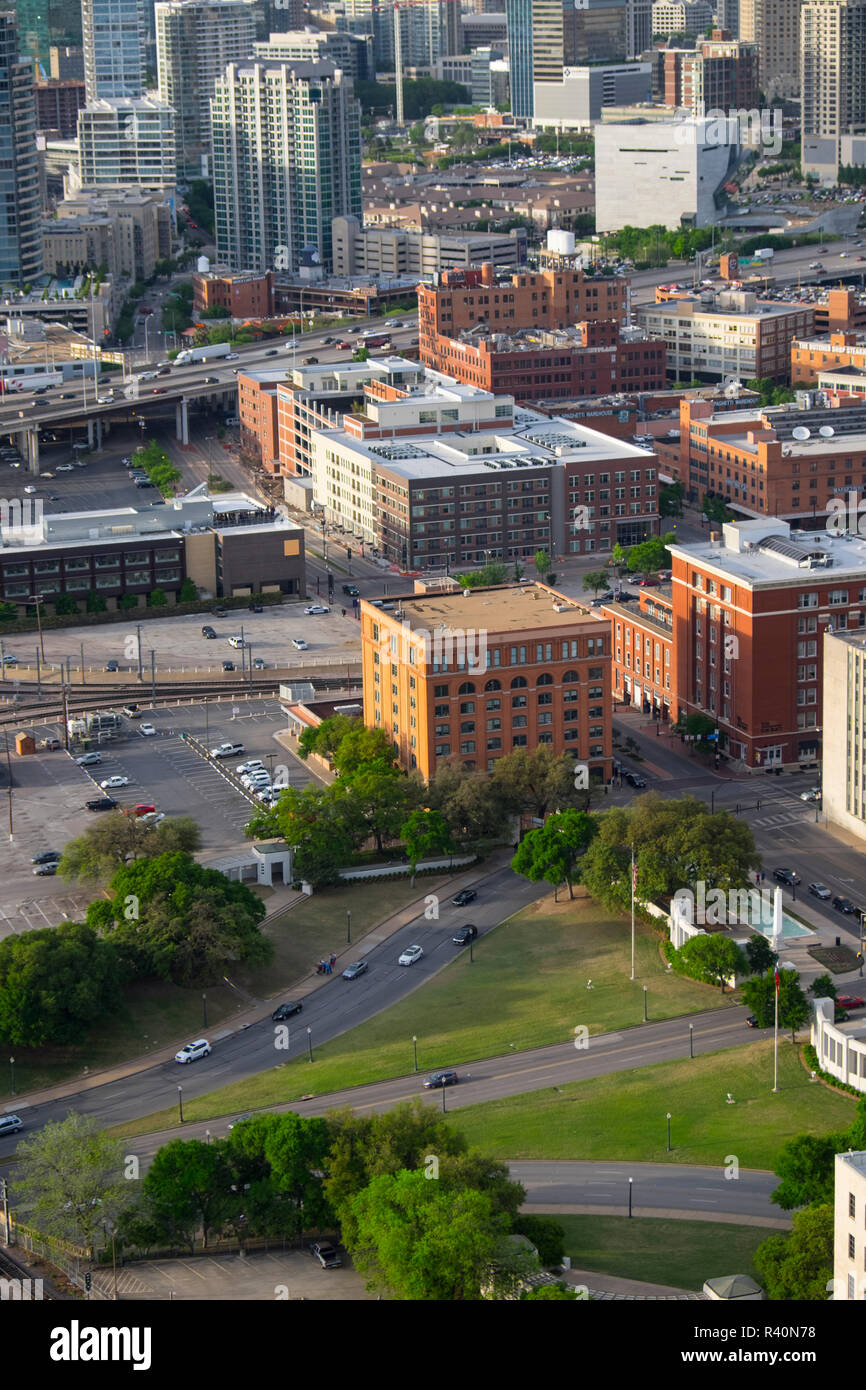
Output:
x=398 y=62
x=9 y=774
x=153 y=678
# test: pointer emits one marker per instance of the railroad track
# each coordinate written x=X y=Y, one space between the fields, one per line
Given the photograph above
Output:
x=99 y=696
x=11 y=1269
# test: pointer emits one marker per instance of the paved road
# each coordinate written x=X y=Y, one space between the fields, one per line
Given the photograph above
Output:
x=657 y=1188
x=330 y=1011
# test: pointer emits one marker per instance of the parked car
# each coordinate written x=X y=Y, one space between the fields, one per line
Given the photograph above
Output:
x=112 y=666
x=256 y=607
x=327 y=1255
x=819 y=890
x=46 y=870
x=849 y=1002
x=228 y=665
x=259 y=663
x=247 y=1115
x=253 y=765
x=466 y=895
x=111 y=783
x=410 y=955
x=287 y=1010
x=358 y=967
x=315 y=608
x=192 y=1051
x=131 y=711
x=101 y=803
x=10 y=1124
x=634 y=779
x=844 y=905
x=299 y=644
x=144 y=808
x=813 y=795
x=147 y=730
x=441 y=1078
x=227 y=750
x=50 y=744
x=786 y=876
x=89 y=759
x=48 y=856
x=465 y=935
x=207 y=631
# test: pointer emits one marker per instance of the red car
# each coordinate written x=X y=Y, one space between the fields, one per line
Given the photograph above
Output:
x=849 y=1002
x=648 y=584
x=143 y=809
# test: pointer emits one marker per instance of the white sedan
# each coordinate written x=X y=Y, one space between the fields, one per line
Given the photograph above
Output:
x=65 y=468
x=111 y=782
x=316 y=608
x=147 y=730
x=410 y=955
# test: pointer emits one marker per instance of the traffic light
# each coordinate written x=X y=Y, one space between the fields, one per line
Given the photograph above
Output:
x=88 y=1280
x=348 y=553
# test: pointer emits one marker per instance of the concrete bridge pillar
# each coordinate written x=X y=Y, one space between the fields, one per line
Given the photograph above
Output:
x=30 y=449
x=182 y=421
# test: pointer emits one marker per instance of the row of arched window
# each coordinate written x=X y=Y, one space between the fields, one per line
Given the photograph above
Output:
x=519 y=683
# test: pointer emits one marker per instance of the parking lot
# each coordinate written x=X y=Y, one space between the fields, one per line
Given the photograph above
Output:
x=50 y=791
x=270 y=1276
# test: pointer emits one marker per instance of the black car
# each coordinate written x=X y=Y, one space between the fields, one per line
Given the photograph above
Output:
x=228 y=665
x=207 y=631
x=46 y=870
x=101 y=803
x=48 y=856
x=111 y=666
x=752 y=1022
x=441 y=1078
x=272 y=352
x=352 y=590
x=465 y=935
x=467 y=895
x=634 y=779
x=286 y=1011
x=844 y=905
x=257 y=608
x=786 y=876
x=210 y=381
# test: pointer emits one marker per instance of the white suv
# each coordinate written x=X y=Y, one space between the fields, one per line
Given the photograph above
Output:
x=193 y=1050
x=9 y=1124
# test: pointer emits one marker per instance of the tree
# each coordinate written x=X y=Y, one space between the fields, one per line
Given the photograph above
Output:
x=823 y=987
x=715 y=509
x=65 y=603
x=759 y=994
x=805 y=1167
x=541 y=561
x=325 y=738
x=8 y=611
x=618 y=558
x=188 y=591
x=361 y=747
x=595 y=580
x=55 y=983
x=290 y=1152
x=713 y=958
x=95 y=856
x=95 y=603
x=187 y=1189
x=492 y=573
x=72 y=1183
x=549 y=1293
x=469 y=804
x=426 y=832
x=157 y=598
x=671 y=499
x=551 y=852
x=546 y=1235
x=649 y=557
x=760 y=954
x=535 y=782
x=799 y=1267
x=422 y=1241
x=361 y=354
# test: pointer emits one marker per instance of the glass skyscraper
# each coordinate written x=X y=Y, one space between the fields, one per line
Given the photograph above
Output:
x=518 y=15
x=20 y=210
x=113 y=36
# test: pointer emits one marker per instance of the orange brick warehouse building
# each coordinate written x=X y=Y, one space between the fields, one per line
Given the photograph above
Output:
x=471 y=677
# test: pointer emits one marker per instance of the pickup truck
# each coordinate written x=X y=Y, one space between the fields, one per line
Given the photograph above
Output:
x=49 y=744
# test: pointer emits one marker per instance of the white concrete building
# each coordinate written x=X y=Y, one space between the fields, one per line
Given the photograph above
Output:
x=577 y=100
x=841 y=1047
x=681 y=16
x=735 y=335
x=392 y=251
x=849 y=1228
x=126 y=141
x=666 y=172
x=843 y=782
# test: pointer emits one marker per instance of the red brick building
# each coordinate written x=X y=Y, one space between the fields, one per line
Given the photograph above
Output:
x=257 y=412
x=245 y=294
x=642 y=642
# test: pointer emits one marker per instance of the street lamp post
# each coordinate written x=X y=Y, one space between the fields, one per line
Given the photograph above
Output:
x=442 y=1088
x=348 y=927
x=310 y=1042
x=691 y=1040
x=180 y=1102
x=668 y=1117
x=630 y=1182
x=415 y=1049
x=204 y=1009
x=644 y=1004
x=12 y=1073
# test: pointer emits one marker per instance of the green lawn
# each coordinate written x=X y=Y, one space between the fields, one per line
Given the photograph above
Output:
x=681 y=1254
x=157 y=1014
x=525 y=988
x=622 y=1116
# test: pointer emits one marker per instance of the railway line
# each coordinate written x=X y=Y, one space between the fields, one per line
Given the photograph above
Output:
x=10 y=1270
x=19 y=710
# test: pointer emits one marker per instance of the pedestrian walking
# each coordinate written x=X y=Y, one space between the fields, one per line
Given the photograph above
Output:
x=333 y=961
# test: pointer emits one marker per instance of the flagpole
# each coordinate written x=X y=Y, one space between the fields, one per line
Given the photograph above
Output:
x=776 y=1037
x=632 y=911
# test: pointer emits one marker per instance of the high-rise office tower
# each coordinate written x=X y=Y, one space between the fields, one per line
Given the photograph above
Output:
x=833 y=81
x=286 y=162
x=42 y=23
x=565 y=36
x=774 y=27
x=518 y=14
x=127 y=141
x=195 y=40
x=20 y=210
x=113 y=38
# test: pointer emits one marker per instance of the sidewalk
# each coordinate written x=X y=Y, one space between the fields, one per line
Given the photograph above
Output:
x=263 y=1008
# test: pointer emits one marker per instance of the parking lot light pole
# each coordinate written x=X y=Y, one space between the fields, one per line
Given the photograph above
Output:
x=668 y=1117
x=630 y=1182
x=691 y=1040
x=348 y=927
x=415 y=1049
x=310 y=1042
x=12 y=1073
x=204 y=1009
x=443 y=1095
x=138 y=648
x=180 y=1102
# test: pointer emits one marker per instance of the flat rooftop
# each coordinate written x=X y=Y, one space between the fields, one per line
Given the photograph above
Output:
x=503 y=608
x=779 y=555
